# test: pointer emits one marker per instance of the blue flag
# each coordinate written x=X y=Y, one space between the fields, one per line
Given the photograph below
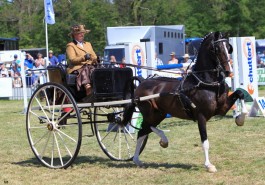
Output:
x=49 y=13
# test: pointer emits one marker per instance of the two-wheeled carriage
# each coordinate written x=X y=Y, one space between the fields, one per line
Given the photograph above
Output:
x=56 y=113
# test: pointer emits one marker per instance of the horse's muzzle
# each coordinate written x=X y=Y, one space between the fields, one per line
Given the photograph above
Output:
x=227 y=73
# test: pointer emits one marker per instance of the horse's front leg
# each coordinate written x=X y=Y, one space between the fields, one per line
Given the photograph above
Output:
x=205 y=144
x=240 y=119
x=210 y=167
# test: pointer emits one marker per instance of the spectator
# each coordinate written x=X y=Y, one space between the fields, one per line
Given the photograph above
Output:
x=123 y=64
x=99 y=58
x=39 y=62
x=29 y=61
x=113 y=62
x=173 y=59
x=17 y=81
x=186 y=58
x=38 y=72
x=81 y=58
x=3 y=70
x=158 y=61
x=15 y=66
x=53 y=59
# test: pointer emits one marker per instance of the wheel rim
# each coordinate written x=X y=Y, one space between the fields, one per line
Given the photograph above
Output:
x=116 y=141
x=54 y=129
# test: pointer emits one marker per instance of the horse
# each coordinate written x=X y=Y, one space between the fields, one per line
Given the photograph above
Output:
x=201 y=94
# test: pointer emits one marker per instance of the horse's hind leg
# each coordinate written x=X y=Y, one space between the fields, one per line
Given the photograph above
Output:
x=136 y=160
x=164 y=141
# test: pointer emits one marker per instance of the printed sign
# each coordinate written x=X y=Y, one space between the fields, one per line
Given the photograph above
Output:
x=136 y=53
x=6 y=87
x=258 y=105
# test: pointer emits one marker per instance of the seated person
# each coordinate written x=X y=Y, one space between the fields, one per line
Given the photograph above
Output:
x=186 y=58
x=173 y=59
x=17 y=82
x=53 y=60
x=3 y=70
x=82 y=58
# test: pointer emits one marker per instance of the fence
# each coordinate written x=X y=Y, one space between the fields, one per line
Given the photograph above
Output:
x=17 y=93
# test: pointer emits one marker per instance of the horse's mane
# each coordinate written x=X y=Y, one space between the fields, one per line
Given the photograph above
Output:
x=206 y=37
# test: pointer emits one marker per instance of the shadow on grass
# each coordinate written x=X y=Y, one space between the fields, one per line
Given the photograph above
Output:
x=33 y=162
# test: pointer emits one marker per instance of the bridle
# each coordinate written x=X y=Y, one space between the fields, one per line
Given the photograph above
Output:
x=219 y=67
x=219 y=70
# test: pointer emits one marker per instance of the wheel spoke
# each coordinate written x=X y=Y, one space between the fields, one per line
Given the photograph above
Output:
x=42 y=108
x=69 y=152
x=47 y=132
x=58 y=148
x=45 y=146
x=46 y=98
x=66 y=135
x=127 y=143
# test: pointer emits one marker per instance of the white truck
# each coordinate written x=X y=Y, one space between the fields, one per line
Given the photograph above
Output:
x=167 y=39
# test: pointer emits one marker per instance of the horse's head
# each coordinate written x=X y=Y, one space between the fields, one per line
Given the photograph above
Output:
x=215 y=53
x=222 y=50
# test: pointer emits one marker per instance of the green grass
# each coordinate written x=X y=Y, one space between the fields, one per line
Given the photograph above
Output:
x=237 y=152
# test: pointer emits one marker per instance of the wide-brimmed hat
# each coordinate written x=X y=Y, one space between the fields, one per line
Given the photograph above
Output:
x=78 y=29
x=186 y=55
x=172 y=53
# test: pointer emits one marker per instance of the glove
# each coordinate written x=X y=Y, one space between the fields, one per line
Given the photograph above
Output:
x=87 y=56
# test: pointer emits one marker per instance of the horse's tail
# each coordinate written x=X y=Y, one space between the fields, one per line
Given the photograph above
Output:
x=129 y=109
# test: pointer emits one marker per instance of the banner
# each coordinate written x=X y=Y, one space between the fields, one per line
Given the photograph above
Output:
x=49 y=13
x=261 y=76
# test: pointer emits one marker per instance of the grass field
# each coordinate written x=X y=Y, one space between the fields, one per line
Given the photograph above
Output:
x=237 y=152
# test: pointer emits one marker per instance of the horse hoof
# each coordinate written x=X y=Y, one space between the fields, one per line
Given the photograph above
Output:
x=240 y=119
x=163 y=144
x=211 y=168
x=138 y=163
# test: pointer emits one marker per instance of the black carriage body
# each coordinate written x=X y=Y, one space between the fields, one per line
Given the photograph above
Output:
x=111 y=83
x=107 y=83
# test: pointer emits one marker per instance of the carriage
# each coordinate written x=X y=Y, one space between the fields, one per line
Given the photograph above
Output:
x=56 y=114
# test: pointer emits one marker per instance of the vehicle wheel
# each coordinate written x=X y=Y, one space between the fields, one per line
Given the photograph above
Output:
x=118 y=142
x=54 y=127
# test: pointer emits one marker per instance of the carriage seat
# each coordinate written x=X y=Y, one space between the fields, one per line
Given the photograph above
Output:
x=58 y=74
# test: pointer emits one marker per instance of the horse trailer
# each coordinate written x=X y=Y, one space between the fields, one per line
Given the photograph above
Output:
x=167 y=39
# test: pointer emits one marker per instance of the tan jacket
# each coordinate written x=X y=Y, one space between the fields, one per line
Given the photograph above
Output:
x=76 y=55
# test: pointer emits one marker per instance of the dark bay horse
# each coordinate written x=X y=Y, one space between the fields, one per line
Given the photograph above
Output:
x=200 y=95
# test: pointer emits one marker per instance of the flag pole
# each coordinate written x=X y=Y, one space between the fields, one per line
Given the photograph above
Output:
x=47 y=51
x=46 y=32
x=46 y=38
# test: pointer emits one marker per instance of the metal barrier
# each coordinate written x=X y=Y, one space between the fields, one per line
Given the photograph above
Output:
x=18 y=93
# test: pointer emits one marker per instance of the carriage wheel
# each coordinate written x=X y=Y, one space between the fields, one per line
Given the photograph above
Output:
x=54 y=127
x=118 y=142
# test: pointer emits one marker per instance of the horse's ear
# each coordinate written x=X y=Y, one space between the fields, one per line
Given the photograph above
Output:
x=226 y=34
x=217 y=35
